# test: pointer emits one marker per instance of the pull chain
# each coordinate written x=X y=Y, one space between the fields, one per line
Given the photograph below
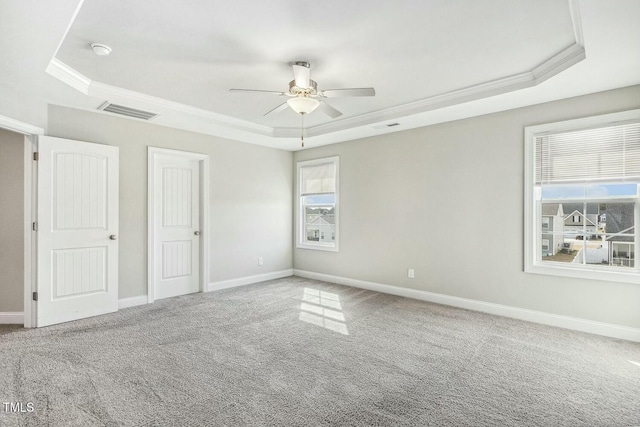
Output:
x=302 y=129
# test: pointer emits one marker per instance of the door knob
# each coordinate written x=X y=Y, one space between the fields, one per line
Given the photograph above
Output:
x=197 y=233
x=113 y=237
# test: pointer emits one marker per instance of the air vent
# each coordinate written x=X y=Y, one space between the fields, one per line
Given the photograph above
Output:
x=127 y=111
x=388 y=125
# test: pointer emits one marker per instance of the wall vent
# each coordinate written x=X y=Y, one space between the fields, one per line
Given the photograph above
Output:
x=127 y=111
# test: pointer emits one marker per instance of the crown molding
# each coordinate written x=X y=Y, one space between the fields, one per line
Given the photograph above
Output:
x=20 y=127
x=68 y=75
x=69 y=25
x=549 y=68
x=218 y=123
x=187 y=117
x=576 y=20
x=558 y=63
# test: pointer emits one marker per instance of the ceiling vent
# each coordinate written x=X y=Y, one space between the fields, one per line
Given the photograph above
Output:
x=127 y=111
x=388 y=125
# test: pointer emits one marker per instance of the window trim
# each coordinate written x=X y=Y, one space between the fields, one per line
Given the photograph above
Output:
x=300 y=225
x=533 y=211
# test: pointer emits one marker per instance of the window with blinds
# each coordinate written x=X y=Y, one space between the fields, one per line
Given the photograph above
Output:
x=609 y=153
x=582 y=197
x=318 y=204
x=318 y=179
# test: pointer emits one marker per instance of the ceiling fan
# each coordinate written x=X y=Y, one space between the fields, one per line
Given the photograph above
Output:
x=304 y=96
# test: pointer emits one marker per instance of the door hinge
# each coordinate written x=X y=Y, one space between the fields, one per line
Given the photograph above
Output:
x=34 y=226
x=35 y=296
x=35 y=156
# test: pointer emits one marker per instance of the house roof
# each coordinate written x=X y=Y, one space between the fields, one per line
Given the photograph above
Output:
x=323 y=220
x=592 y=208
x=552 y=209
x=590 y=218
x=620 y=216
x=625 y=239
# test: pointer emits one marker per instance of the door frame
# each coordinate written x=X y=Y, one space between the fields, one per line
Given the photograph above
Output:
x=203 y=161
x=30 y=236
x=30 y=193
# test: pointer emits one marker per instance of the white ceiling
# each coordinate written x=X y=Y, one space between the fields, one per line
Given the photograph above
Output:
x=429 y=61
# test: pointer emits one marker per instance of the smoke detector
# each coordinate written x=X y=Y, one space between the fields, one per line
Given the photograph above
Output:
x=101 y=49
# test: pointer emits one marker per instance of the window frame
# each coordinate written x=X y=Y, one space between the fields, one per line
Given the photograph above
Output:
x=533 y=262
x=301 y=243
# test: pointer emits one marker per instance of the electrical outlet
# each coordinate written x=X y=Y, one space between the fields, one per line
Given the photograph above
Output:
x=411 y=274
x=260 y=261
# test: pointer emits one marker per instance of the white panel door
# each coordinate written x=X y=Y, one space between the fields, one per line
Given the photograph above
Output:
x=177 y=226
x=77 y=230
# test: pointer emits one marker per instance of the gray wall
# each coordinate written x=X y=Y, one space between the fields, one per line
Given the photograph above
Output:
x=447 y=200
x=12 y=148
x=250 y=197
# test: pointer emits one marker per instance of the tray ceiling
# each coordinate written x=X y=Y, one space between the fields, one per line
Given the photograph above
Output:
x=424 y=58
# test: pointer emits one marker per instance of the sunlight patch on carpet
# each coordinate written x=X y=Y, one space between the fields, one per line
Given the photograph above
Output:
x=323 y=309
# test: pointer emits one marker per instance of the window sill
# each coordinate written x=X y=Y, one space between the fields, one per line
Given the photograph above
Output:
x=318 y=247
x=602 y=274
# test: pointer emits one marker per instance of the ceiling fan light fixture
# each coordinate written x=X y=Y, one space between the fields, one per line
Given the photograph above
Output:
x=303 y=104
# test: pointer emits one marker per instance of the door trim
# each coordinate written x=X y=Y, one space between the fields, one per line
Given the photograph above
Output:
x=30 y=237
x=30 y=133
x=203 y=160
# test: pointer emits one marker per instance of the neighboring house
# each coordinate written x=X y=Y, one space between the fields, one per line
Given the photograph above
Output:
x=614 y=222
x=321 y=227
x=552 y=228
x=579 y=223
x=620 y=230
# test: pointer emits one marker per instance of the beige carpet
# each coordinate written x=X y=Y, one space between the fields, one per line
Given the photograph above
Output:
x=297 y=352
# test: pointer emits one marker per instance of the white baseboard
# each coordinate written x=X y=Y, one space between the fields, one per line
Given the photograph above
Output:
x=213 y=286
x=12 y=318
x=225 y=284
x=574 y=323
x=132 y=302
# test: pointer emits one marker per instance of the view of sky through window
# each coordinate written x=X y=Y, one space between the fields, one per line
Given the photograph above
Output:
x=551 y=192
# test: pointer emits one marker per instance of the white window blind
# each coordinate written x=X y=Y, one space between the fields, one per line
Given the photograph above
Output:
x=318 y=179
x=602 y=154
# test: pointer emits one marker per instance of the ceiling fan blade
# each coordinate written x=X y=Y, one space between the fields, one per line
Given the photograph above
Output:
x=278 y=109
x=340 y=93
x=301 y=74
x=329 y=110
x=258 y=90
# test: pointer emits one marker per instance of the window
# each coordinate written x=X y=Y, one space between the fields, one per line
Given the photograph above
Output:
x=545 y=245
x=545 y=222
x=318 y=204
x=582 y=197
